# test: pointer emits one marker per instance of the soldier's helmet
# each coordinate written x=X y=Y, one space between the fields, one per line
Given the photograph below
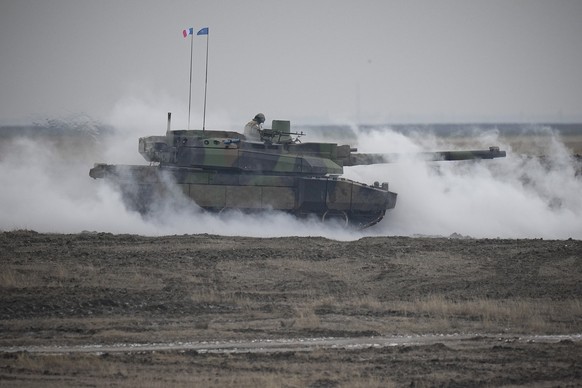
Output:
x=260 y=118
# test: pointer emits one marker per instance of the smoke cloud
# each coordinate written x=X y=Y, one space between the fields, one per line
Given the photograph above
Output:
x=515 y=197
x=46 y=186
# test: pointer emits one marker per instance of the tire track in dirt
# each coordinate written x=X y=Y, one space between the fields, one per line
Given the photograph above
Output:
x=299 y=344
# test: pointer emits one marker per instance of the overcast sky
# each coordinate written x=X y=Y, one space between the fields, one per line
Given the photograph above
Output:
x=310 y=61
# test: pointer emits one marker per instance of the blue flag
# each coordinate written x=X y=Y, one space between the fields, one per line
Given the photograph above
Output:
x=203 y=31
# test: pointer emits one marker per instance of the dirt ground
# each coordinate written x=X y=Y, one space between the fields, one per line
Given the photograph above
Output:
x=79 y=310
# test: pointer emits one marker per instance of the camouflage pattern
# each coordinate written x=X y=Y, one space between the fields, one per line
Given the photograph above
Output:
x=356 y=203
x=222 y=170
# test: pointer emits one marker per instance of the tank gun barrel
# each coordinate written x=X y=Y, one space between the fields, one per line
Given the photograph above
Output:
x=356 y=159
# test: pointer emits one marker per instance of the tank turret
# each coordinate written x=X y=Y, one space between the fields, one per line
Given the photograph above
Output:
x=278 y=152
x=223 y=170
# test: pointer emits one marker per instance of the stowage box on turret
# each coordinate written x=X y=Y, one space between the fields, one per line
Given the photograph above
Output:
x=221 y=170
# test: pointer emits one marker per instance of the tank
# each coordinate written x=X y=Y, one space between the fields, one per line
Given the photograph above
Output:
x=222 y=170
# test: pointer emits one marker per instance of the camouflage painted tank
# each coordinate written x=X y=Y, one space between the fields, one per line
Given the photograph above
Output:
x=221 y=170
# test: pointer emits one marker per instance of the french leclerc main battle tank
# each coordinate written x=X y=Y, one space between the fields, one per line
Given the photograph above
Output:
x=221 y=170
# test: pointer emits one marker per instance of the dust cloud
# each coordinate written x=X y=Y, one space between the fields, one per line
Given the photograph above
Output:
x=514 y=197
x=46 y=187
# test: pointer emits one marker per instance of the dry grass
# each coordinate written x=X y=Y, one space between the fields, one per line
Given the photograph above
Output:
x=61 y=274
x=433 y=313
x=534 y=315
x=213 y=296
x=59 y=364
x=437 y=313
x=11 y=278
x=306 y=318
x=174 y=369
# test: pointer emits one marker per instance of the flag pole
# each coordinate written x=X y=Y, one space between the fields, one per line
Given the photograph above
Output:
x=190 y=89
x=205 y=85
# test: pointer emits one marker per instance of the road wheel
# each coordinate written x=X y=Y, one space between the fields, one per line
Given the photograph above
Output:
x=339 y=216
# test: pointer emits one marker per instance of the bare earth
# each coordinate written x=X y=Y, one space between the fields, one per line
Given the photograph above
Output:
x=200 y=310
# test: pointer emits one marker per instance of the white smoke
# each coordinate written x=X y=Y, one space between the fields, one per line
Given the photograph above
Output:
x=46 y=187
x=513 y=197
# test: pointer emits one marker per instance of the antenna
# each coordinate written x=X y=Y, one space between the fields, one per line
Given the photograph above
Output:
x=190 y=31
x=204 y=31
x=190 y=89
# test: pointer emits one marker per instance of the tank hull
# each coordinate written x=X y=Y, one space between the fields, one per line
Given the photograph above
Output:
x=325 y=197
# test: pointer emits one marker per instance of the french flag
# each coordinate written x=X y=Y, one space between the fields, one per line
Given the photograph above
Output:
x=189 y=31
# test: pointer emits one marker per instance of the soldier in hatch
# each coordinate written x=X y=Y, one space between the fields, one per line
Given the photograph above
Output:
x=253 y=127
